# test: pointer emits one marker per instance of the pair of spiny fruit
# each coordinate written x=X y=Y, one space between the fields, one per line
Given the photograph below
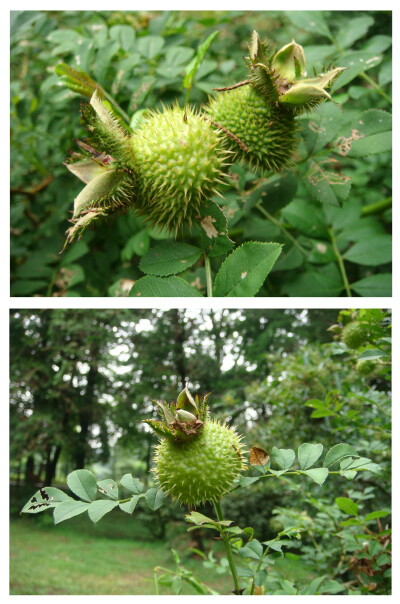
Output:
x=175 y=159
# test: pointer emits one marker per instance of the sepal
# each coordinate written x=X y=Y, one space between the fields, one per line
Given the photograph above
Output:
x=290 y=62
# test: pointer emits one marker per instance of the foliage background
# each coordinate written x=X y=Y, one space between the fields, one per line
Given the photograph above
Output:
x=139 y=57
x=81 y=381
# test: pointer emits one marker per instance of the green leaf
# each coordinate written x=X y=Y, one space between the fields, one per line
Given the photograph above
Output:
x=347 y=505
x=371 y=252
x=39 y=502
x=313 y=587
x=98 y=509
x=377 y=514
x=154 y=498
x=104 y=58
x=169 y=258
x=163 y=287
x=277 y=545
x=372 y=354
x=370 y=133
x=67 y=40
x=361 y=463
x=245 y=481
x=355 y=63
x=198 y=518
x=75 y=252
x=108 y=487
x=137 y=244
x=83 y=484
x=305 y=217
x=26 y=287
x=129 y=506
x=312 y=21
x=69 y=509
x=283 y=457
x=245 y=270
x=191 y=69
x=323 y=281
x=150 y=46
x=319 y=129
x=177 y=585
x=326 y=183
x=351 y=522
x=353 y=30
x=275 y=194
x=308 y=454
x=124 y=35
x=252 y=549
x=178 y=55
x=214 y=230
x=318 y=475
x=132 y=484
x=339 y=452
x=379 y=285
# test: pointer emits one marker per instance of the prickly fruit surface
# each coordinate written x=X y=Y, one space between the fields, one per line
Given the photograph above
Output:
x=202 y=469
x=365 y=366
x=178 y=159
x=255 y=132
x=354 y=334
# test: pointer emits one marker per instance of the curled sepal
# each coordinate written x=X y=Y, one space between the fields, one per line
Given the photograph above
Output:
x=306 y=94
x=183 y=421
x=107 y=130
x=80 y=225
x=77 y=81
x=290 y=62
x=265 y=82
x=186 y=401
x=168 y=413
x=86 y=170
x=110 y=189
x=159 y=428
x=259 y=52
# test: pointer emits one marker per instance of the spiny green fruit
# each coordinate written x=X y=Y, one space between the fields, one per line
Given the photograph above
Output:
x=354 y=334
x=255 y=132
x=178 y=159
x=365 y=366
x=197 y=459
x=258 y=114
x=201 y=469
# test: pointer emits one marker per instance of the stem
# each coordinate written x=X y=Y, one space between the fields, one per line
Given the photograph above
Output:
x=377 y=207
x=340 y=263
x=207 y=266
x=280 y=225
x=376 y=86
x=225 y=539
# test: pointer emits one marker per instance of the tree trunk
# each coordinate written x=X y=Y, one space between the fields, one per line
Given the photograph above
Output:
x=51 y=464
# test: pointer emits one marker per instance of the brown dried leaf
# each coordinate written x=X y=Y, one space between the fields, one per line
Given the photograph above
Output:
x=258 y=457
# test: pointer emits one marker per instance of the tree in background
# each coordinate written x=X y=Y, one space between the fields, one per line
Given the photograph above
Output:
x=83 y=379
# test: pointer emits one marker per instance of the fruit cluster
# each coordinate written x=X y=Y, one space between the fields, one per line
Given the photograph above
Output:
x=176 y=159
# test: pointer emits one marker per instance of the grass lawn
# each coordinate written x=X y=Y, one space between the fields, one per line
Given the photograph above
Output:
x=77 y=558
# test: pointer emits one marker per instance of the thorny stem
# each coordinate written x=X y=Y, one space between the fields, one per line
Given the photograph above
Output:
x=340 y=263
x=207 y=266
x=225 y=539
x=280 y=225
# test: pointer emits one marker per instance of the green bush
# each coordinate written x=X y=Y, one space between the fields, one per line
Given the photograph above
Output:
x=331 y=210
